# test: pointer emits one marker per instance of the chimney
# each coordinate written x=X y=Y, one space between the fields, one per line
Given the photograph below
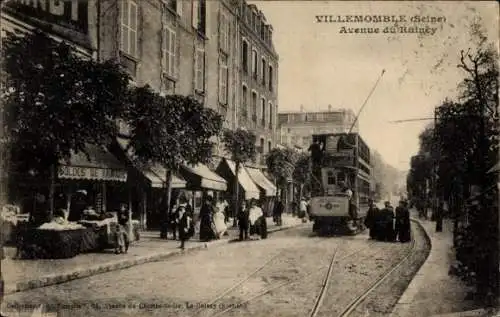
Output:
x=329 y=108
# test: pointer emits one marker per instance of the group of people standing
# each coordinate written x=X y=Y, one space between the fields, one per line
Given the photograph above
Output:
x=251 y=220
x=387 y=225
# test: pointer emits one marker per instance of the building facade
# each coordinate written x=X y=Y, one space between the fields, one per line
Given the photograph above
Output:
x=258 y=79
x=297 y=128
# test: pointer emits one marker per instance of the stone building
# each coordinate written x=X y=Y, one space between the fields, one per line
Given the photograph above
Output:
x=297 y=128
x=258 y=82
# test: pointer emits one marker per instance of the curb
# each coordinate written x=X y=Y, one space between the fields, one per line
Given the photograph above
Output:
x=402 y=305
x=54 y=279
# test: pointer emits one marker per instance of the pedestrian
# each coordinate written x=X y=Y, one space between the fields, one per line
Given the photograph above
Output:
x=403 y=222
x=387 y=216
x=173 y=219
x=164 y=219
x=206 y=219
x=279 y=208
x=439 y=216
x=243 y=220
x=255 y=213
x=122 y=238
x=219 y=222
x=370 y=220
x=303 y=209
x=185 y=223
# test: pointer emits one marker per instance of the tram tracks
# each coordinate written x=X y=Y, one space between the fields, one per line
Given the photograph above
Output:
x=332 y=269
x=331 y=264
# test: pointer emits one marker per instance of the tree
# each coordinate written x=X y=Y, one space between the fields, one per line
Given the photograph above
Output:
x=56 y=102
x=302 y=173
x=240 y=145
x=281 y=164
x=171 y=131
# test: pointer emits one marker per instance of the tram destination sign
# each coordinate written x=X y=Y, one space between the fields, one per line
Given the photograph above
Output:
x=69 y=14
x=90 y=173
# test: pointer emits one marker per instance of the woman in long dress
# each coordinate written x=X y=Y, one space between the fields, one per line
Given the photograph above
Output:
x=254 y=216
x=206 y=220
x=219 y=221
x=403 y=223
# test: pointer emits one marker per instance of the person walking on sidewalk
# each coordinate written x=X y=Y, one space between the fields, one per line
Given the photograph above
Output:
x=403 y=228
x=439 y=216
x=243 y=220
x=255 y=214
x=122 y=238
x=206 y=220
x=303 y=209
x=371 y=218
x=278 y=212
x=185 y=221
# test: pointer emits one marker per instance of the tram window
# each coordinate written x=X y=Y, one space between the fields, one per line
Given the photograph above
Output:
x=341 y=177
x=331 y=178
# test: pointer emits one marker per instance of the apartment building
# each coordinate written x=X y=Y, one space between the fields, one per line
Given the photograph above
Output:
x=297 y=128
x=258 y=81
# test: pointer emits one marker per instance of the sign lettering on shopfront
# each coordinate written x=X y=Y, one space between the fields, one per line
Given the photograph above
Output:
x=76 y=172
x=72 y=14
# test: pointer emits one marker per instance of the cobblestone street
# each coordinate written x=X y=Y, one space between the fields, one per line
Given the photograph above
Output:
x=281 y=275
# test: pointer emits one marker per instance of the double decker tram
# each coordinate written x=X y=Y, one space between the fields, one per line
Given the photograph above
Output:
x=341 y=177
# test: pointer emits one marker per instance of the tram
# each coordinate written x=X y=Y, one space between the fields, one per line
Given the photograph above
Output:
x=341 y=176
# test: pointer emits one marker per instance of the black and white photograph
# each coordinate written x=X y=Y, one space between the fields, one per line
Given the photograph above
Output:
x=212 y=158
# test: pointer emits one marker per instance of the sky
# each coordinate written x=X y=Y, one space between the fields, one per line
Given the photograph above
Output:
x=319 y=65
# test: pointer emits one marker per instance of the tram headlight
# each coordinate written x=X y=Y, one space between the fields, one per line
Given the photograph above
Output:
x=328 y=206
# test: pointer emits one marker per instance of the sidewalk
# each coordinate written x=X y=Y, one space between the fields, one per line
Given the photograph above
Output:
x=432 y=291
x=21 y=275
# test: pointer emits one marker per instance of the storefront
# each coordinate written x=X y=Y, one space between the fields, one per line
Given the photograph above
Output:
x=201 y=180
x=267 y=189
x=157 y=176
x=247 y=188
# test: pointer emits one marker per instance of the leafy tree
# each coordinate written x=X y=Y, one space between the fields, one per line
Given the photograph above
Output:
x=281 y=164
x=240 y=145
x=302 y=173
x=170 y=130
x=56 y=102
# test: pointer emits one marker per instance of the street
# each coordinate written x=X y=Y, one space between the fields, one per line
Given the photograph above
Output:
x=279 y=276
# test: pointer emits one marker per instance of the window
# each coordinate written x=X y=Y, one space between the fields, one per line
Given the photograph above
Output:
x=223 y=80
x=261 y=145
x=254 y=64
x=199 y=70
x=174 y=5
x=199 y=15
x=269 y=145
x=244 y=56
x=331 y=178
x=270 y=115
x=224 y=33
x=128 y=42
x=168 y=50
x=264 y=67
x=244 y=104
x=254 y=106
x=263 y=105
x=271 y=78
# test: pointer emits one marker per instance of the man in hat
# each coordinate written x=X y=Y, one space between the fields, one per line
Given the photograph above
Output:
x=371 y=218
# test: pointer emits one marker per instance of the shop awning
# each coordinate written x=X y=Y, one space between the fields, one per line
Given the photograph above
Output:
x=262 y=181
x=250 y=188
x=99 y=165
x=157 y=175
x=200 y=176
x=495 y=168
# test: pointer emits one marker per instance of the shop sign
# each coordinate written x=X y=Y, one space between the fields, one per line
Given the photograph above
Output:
x=76 y=172
x=71 y=14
